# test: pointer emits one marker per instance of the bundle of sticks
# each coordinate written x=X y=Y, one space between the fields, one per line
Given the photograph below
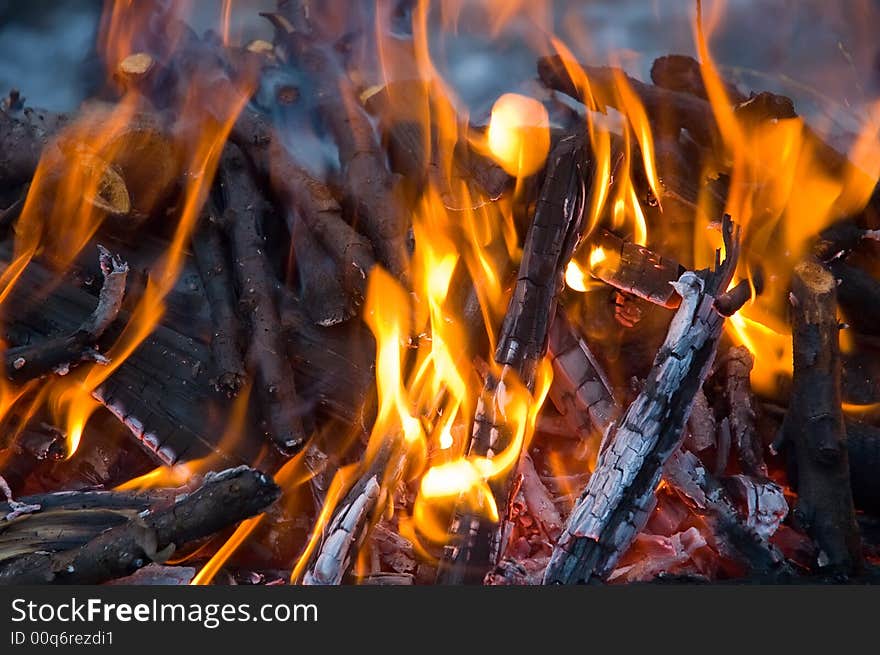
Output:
x=670 y=473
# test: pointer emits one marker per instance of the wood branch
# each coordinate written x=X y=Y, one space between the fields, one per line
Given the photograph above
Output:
x=634 y=269
x=223 y=500
x=368 y=182
x=665 y=108
x=580 y=391
x=620 y=493
x=65 y=520
x=274 y=374
x=322 y=293
x=730 y=533
x=40 y=358
x=293 y=186
x=213 y=260
x=555 y=232
x=814 y=422
x=741 y=413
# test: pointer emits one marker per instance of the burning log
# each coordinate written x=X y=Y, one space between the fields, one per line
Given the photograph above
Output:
x=620 y=494
x=634 y=269
x=257 y=298
x=212 y=259
x=223 y=500
x=293 y=186
x=580 y=390
x=58 y=354
x=814 y=422
x=369 y=184
x=551 y=240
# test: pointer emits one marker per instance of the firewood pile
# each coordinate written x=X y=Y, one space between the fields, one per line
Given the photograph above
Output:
x=615 y=331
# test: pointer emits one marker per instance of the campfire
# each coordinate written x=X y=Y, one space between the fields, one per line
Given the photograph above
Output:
x=294 y=310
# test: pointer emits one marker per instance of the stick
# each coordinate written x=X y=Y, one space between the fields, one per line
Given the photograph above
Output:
x=620 y=493
x=37 y=359
x=322 y=293
x=634 y=269
x=814 y=422
x=273 y=369
x=211 y=253
x=224 y=499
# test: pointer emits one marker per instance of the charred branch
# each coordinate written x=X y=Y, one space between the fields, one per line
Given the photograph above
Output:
x=212 y=257
x=814 y=423
x=37 y=359
x=634 y=269
x=731 y=533
x=256 y=287
x=741 y=413
x=580 y=390
x=620 y=493
x=223 y=500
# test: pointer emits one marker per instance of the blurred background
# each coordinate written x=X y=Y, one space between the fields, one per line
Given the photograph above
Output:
x=823 y=54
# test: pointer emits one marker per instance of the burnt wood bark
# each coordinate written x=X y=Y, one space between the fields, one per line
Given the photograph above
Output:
x=256 y=288
x=40 y=358
x=635 y=269
x=620 y=493
x=224 y=499
x=213 y=260
x=555 y=232
x=814 y=422
x=741 y=413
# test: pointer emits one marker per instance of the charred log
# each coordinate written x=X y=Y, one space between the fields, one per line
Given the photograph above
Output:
x=224 y=499
x=37 y=359
x=620 y=494
x=283 y=413
x=814 y=422
x=212 y=256
x=476 y=543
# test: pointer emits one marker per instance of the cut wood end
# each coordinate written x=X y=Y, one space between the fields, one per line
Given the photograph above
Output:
x=815 y=277
x=111 y=193
x=136 y=65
